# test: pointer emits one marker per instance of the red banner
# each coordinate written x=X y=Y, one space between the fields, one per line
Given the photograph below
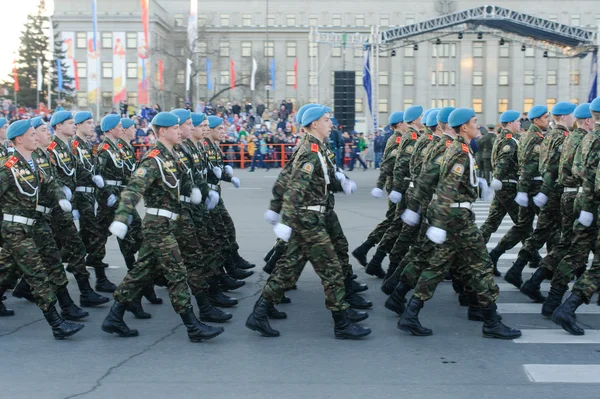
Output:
x=15 y=77
x=145 y=18
x=296 y=74
x=161 y=81
x=231 y=74
x=76 y=74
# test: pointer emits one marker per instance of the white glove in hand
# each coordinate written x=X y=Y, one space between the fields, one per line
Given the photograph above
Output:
x=196 y=196
x=212 y=200
x=218 y=172
x=112 y=200
x=65 y=205
x=98 y=181
x=586 y=218
x=119 y=229
x=377 y=192
x=282 y=231
x=436 y=235
x=522 y=199
x=339 y=176
x=348 y=186
x=75 y=214
x=67 y=192
x=236 y=182
x=395 y=197
x=271 y=217
x=496 y=185
x=411 y=218
x=229 y=170
x=540 y=200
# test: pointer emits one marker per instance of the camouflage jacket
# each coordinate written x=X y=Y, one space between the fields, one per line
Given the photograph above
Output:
x=570 y=148
x=198 y=167
x=529 y=159
x=215 y=158
x=586 y=167
x=505 y=160
x=111 y=166
x=421 y=148
x=64 y=162
x=281 y=184
x=406 y=148
x=129 y=159
x=156 y=180
x=84 y=162
x=50 y=191
x=550 y=154
x=4 y=153
x=185 y=163
x=386 y=168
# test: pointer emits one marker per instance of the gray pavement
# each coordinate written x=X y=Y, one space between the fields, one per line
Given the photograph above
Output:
x=306 y=361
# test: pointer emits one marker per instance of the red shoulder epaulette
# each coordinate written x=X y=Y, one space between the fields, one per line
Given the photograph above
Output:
x=398 y=139
x=120 y=145
x=153 y=153
x=509 y=136
x=566 y=133
x=52 y=146
x=465 y=148
x=206 y=143
x=540 y=135
x=314 y=147
x=105 y=147
x=448 y=142
x=430 y=137
x=413 y=136
x=75 y=144
x=11 y=162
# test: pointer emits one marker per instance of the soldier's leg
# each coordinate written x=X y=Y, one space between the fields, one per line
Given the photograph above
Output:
x=495 y=216
x=375 y=236
x=520 y=231
x=234 y=263
x=104 y=218
x=88 y=227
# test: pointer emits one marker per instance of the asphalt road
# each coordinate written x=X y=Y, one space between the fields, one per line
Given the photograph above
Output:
x=306 y=361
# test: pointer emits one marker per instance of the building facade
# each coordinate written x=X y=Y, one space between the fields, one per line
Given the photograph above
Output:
x=483 y=72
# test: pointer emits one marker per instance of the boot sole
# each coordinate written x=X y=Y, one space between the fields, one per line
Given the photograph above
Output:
x=70 y=334
x=133 y=333
x=226 y=289
x=207 y=337
x=503 y=337
x=361 y=307
x=254 y=328
x=211 y=320
x=361 y=260
x=277 y=317
x=353 y=337
x=7 y=314
x=66 y=316
x=570 y=331
x=415 y=333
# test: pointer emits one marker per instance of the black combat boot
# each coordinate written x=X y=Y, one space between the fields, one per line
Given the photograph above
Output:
x=474 y=313
x=209 y=313
x=269 y=266
x=374 y=267
x=358 y=302
x=269 y=254
x=286 y=300
x=69 y=310
x=397 y=300
x=345 y=329
x=61 y=329
x=198 y=331
x=555 y=296
x=463 y=299
x=535 y=260
x=129 y=261
x=357 y=287
x=276 y=314
x=23 y=290
x=495 y=254
x=229 y=284
x=161 y=281
x=494 y=328
x=103 y=284
x=114 y=324
x=3 y=311
x=216 y=296
x=150 y=295
x=135 y=307
x=531 y=287
x=564 y=315
x=391 y=279
x=242 y=263
x=513 y=275
x=258 y=319
x=355 y=316
x=410 y=319
x=234 y=272
x=88 y=297
x=361 y=252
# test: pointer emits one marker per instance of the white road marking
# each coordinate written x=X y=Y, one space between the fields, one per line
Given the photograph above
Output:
x=563 y=373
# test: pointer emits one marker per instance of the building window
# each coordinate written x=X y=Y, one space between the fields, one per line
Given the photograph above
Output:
x=502 y=105
x=358 y=105
x=313 y=49
x=224 y=19
x=336 y=20
x=202 y=19
x=503 y=78
x=477 y=78
x=527 y=104
x=444 y=78
x=478 y=105
x=409 y=51
x=291 y=49
x=224 y=77
x=290 y=20
x=180 y=77
x=246 y=49
x=410 y=19
x=574 y=101
x=178 y=20
x=82 y=69
x=409 y=78
x=574 y=78
x=433 y=78
x=575 y=20
x=82 y=99
x=312 y=78
x=553 y=17
x=107 y=40
x=107 y=70
x=201 y=47
x=444 y=50
x=131 y=40
x=529 y=52
x=477 y=49
x=202 y=78
x=107 y=99
x=246 y=19
x=384 y=20
x=359 y=20
x=270 y=20
x=359 y=52
x=384 y=78
x=550 y=102
x=551 y=80
x=289 y=78
x=132 y=69
x=313 y=21
x=358 y=78
x=81 y=40
x=504 y=51
x=408 y=103
x=269 y=49
x=336 y=52
x=528 y=78
x=132 y=98
x=224 y=49
x=383 y=105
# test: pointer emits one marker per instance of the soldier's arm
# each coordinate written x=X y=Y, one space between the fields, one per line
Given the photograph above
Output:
x=428 y=179
x=550 y=168
x=528 y=169
x=386 y=168
x=141 y=179
x=504 y=157
x=304 y=170
x=279 y=188
x=60 y=178
x=4 y=179
x=402 y=168
x=103 y=161
x=452 y=172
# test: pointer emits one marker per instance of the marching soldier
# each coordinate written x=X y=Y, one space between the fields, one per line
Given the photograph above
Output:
x=3 y=155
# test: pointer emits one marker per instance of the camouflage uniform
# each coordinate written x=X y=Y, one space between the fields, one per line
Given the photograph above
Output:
x=486 y=145
x=3 y=156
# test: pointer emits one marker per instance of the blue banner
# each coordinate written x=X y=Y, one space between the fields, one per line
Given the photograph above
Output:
x=60 y=77
x=94 y=24
x=593 y=78
x=273 y=74
x=208 y=79
x=367 y=79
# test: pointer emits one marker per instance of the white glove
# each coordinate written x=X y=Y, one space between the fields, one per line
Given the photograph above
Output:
x=75 y=214
x=522 y=199
x=271 y=217
x=218 y=172
x=129 y=220
x=229 y=170
x=377 y=192
x=540 y=200
x=112 y=200
x=586 y=218
x=339 y=176
x=67 y=192
x=348 y=186
x=236 y=182
x=411 y=218
x=282 y=231
x=119 y=229
x=98 y=181
x=65 y=205
x=212 y=200
x=196 y=196
x=436 y=235
x=395 y=197
x=496 y=185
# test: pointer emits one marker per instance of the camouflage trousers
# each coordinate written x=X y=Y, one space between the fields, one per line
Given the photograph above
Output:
x=588 y=283
x=225 y=228
x=464 y=250
x=393 y=231
x=211 y=255
x=547 y=230
x=190 y=249
x=377 y=234
x=502 y=204
x=309 y=242
x=88 y=228
x=20 y=256
x=159 y=256
x=524 y=226
x=568 y=216
x=406 y=238
x=69 y=241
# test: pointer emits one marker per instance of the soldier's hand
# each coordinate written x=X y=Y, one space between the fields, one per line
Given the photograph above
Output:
x=218 y=172
x=411 y=218
x=586 y=218
x=271 y=217
x=522 y=199
x=395 y=197
x=282 y=231
x=212 y=200
x=98 y=181
x=75 y=214
x=348 y=186
x=67 y=192
x=436 y=235
x=540 y=200
x=339 y=176
x=119 y=229
x=496 y=185
x=196 y=196
x=377 y=192
x=229 y=170
x=236 y=182
x=112 y=200
x=65 y=205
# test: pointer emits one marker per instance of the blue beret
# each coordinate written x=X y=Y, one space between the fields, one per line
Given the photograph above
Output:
x=314 y=113
x=165 y=119
x=536 y=111
x=302 y=110
x=37 y=122
x=127 y=123
x=413 y=113
x=509 y=116
x=444 y=113
x=582 y=111
x=182 y=114
x=214 y=121
x=60 y=117
x=197 y=118
x=335 y=122
x=82 y=117
x=460 y=116
x=396 y=117
x=432 y=118
x=18 y=128
x=594 y=106
x=563 y=108
x=109 y=122
x=426 y=114
x=2 y=122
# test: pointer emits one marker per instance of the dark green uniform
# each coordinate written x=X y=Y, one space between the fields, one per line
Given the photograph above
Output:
x=3 y=157
x=486 y=145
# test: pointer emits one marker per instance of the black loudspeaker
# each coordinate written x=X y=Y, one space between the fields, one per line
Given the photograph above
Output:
x=344 y=99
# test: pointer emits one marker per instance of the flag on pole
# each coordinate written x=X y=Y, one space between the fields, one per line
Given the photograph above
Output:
x=296 y=74
x=231 y=74
x=188 y=74
x=60 y=76
x=192 y=29
x=15 y=76
x=594 y=77
x=94 y=25
x=145 y=16
x=40 y=79
x=367 y=79
x=209 y=85
x=76 y=74
x=161 y=81
x=253 y=78
x=273 y=74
